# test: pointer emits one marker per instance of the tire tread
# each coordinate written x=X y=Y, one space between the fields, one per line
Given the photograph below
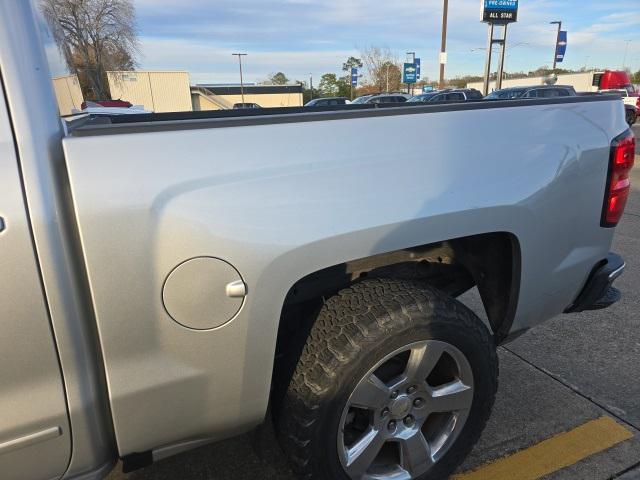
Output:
x=347 y=324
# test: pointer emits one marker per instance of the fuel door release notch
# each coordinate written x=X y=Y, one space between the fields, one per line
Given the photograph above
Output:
x=203 y=293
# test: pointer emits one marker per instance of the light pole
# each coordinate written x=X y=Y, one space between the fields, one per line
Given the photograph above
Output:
x=311 y=85
x=626 y=51
x=443 y=48
x=240 y=55
x=555 y=49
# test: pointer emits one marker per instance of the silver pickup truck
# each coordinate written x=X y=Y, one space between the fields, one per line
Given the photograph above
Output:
x=168 y=280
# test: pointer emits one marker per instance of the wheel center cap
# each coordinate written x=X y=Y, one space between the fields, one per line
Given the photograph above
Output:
x=400 y=407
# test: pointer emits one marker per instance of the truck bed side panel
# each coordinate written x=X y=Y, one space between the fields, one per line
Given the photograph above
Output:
x=283 y=200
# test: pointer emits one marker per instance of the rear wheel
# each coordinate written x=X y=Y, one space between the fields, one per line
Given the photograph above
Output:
x=396 y=381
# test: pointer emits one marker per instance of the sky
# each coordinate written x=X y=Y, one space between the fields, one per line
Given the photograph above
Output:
x=299 y=37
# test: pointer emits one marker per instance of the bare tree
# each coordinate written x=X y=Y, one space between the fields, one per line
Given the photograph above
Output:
x=94 y=36
x=382 y=67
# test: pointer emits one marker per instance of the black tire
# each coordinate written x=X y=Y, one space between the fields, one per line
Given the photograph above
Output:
x=631 y=117
x=354 y=330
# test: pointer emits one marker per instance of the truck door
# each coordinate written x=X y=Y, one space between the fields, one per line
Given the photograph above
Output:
x=34 y=426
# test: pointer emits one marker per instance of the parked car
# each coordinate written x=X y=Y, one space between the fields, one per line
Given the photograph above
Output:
x=361 y=100
x=237 y=106
x=386 y=98
x=109 y=107
x=105 y=103
x=538 y=91
x=171 y=279
x=327 y=102
x=449 y=95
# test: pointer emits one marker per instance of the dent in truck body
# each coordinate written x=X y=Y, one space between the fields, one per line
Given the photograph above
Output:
x=278 y=212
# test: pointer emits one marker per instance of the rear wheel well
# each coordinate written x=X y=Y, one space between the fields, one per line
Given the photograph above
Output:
x=489 y=261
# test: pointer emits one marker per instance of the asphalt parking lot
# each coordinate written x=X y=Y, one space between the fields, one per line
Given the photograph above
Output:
x=568 y=406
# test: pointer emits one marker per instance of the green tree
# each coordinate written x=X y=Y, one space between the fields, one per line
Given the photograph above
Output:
x=307 y=94
x=328 y=85
x=333 y=86
x=344 y=86
x=635 y=77
x=278 y=79
x=352 y=62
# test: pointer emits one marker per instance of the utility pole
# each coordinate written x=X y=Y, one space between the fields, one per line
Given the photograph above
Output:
x=311 y=85
x=555 y=49
x=443 y=49
x=240 y=55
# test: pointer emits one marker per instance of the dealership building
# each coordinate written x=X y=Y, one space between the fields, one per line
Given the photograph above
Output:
x=216 y=97
x=171 y=91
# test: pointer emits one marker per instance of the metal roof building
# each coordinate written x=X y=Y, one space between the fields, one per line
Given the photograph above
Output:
x=216 y=97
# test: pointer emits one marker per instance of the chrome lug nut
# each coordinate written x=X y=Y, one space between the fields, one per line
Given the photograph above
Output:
x=391 y=426
x=418 y=402
x=385 y=412
x=412 y=389
x=409 y=420
x=394 y=395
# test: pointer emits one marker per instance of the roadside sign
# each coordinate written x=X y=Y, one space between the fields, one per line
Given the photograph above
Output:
x=561 y=47
x=499 y=11
x=354 y=76
x=418 y=68
x=409 y=73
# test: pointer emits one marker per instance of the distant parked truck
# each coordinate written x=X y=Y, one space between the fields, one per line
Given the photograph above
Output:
x=613 y=80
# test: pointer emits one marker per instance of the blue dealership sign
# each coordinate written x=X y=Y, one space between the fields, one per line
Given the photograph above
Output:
x=354 y=76
x=499 y=11
x=561 y=47
x=409 y=73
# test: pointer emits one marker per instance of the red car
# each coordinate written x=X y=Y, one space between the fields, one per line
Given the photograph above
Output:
x=107 y=103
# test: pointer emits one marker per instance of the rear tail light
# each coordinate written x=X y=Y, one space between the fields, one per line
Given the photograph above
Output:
x=623 y=150
x=638 y=104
